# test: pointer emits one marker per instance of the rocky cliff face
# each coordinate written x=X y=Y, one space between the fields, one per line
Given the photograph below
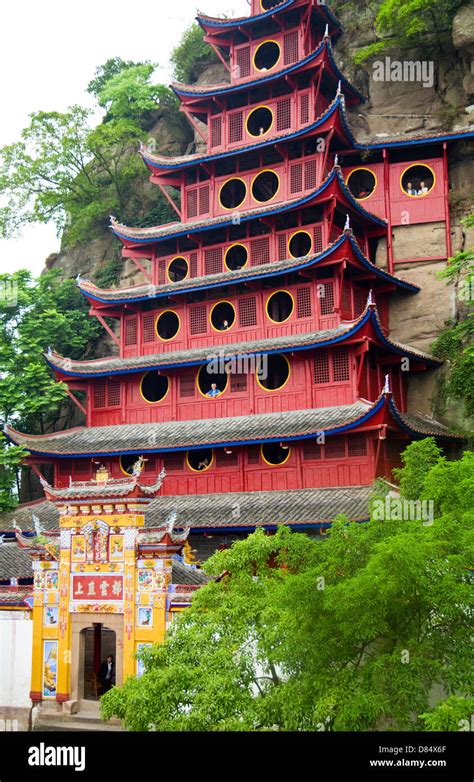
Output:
x=393 y=109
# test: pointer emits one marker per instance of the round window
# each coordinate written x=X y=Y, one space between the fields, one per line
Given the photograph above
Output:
x=223 y=316
x=236 y=257
x=259 y=121
x=167 y=325
x=265 y=186
x=362 y=183
x=267 y=55
x=418 y=180
x=200 y=460
x=127 y=463
x=300 y=244
x=233 y=193
x=280 y=306
x=154 y=387
x=178 y=269
x=276 y=453
x=273 y=372
x=210 y=383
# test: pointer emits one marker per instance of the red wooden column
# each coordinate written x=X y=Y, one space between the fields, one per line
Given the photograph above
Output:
x=386 y=184
x=449 y=246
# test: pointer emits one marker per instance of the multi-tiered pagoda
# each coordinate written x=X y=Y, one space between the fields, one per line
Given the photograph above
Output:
x=254 y=363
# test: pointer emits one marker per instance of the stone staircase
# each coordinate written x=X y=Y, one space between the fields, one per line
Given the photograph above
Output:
x=74 y=716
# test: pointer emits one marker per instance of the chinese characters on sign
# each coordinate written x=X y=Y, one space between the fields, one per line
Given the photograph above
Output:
x=100 y=587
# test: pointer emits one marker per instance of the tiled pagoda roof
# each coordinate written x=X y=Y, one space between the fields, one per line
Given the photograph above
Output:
x=300 y=507
x=22 y=517
x=324 y=49
x=217 y=433
x=14 y=597
x=224 y=24
x=145 y=292
x=14 y=562
x=111 y=489
x=105 y=367
x=185 y=161
x=158 y=233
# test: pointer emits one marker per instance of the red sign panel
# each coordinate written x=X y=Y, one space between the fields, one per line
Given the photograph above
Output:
x=97 y=587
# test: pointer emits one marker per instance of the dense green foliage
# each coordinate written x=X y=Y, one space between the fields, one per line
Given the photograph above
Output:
x=191 y=55
x=34 y=316
x=455 y=345
x=65 y=171
x=405 y=24
x=352 y=632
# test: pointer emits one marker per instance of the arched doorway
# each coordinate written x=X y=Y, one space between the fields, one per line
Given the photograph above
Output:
x=94 y=636
x=99 y=642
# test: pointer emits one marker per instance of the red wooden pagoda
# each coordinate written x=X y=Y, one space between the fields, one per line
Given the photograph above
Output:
x=255 y=363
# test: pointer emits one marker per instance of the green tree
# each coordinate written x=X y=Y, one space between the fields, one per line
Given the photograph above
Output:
x=405 y=24
x=352 y=632
x=34 y=316
x=61 y=167
x=103 y=74
x=417 y=461
x=191 y=55
x=130 y=95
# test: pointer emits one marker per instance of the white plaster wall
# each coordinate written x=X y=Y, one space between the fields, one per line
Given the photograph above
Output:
x=15 y=660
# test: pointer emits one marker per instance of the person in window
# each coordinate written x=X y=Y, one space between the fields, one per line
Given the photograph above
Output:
x=411 y=190
x=423 y=189
x=364 y=193
x=213 y=391
x=225 y=325
x=203 y=465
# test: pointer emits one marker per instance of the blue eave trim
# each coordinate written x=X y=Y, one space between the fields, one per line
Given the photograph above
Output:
x=325 y=44
x=227 y=444
x=278 y=209
x=370 y=315
x=252 y=527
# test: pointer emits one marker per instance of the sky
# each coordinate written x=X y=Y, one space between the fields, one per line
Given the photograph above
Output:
x=48 y=55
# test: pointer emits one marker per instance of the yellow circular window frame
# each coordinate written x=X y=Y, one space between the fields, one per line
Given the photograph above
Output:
x=307 y=233
x=274 y=390
x=206 y=468
x=369 y=170
x=275 y=293
x=205 y=396
x=224 y=301
x=417 y=165
x=257 y=108
x=128 y=474
x=178 y=258
x=264 y=70
x=158 y=401
x=236 y=244
x=233 y=179
x=270 y=464
x=165 y=312
x=265 y=171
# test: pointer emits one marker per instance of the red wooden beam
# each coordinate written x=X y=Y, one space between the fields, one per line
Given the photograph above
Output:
x=106 y=326
x=142 y=269
x=170 y=200
x=76 y=401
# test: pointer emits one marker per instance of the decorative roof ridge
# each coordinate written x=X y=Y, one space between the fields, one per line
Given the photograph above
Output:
x=274 y=208
x=180 y=89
